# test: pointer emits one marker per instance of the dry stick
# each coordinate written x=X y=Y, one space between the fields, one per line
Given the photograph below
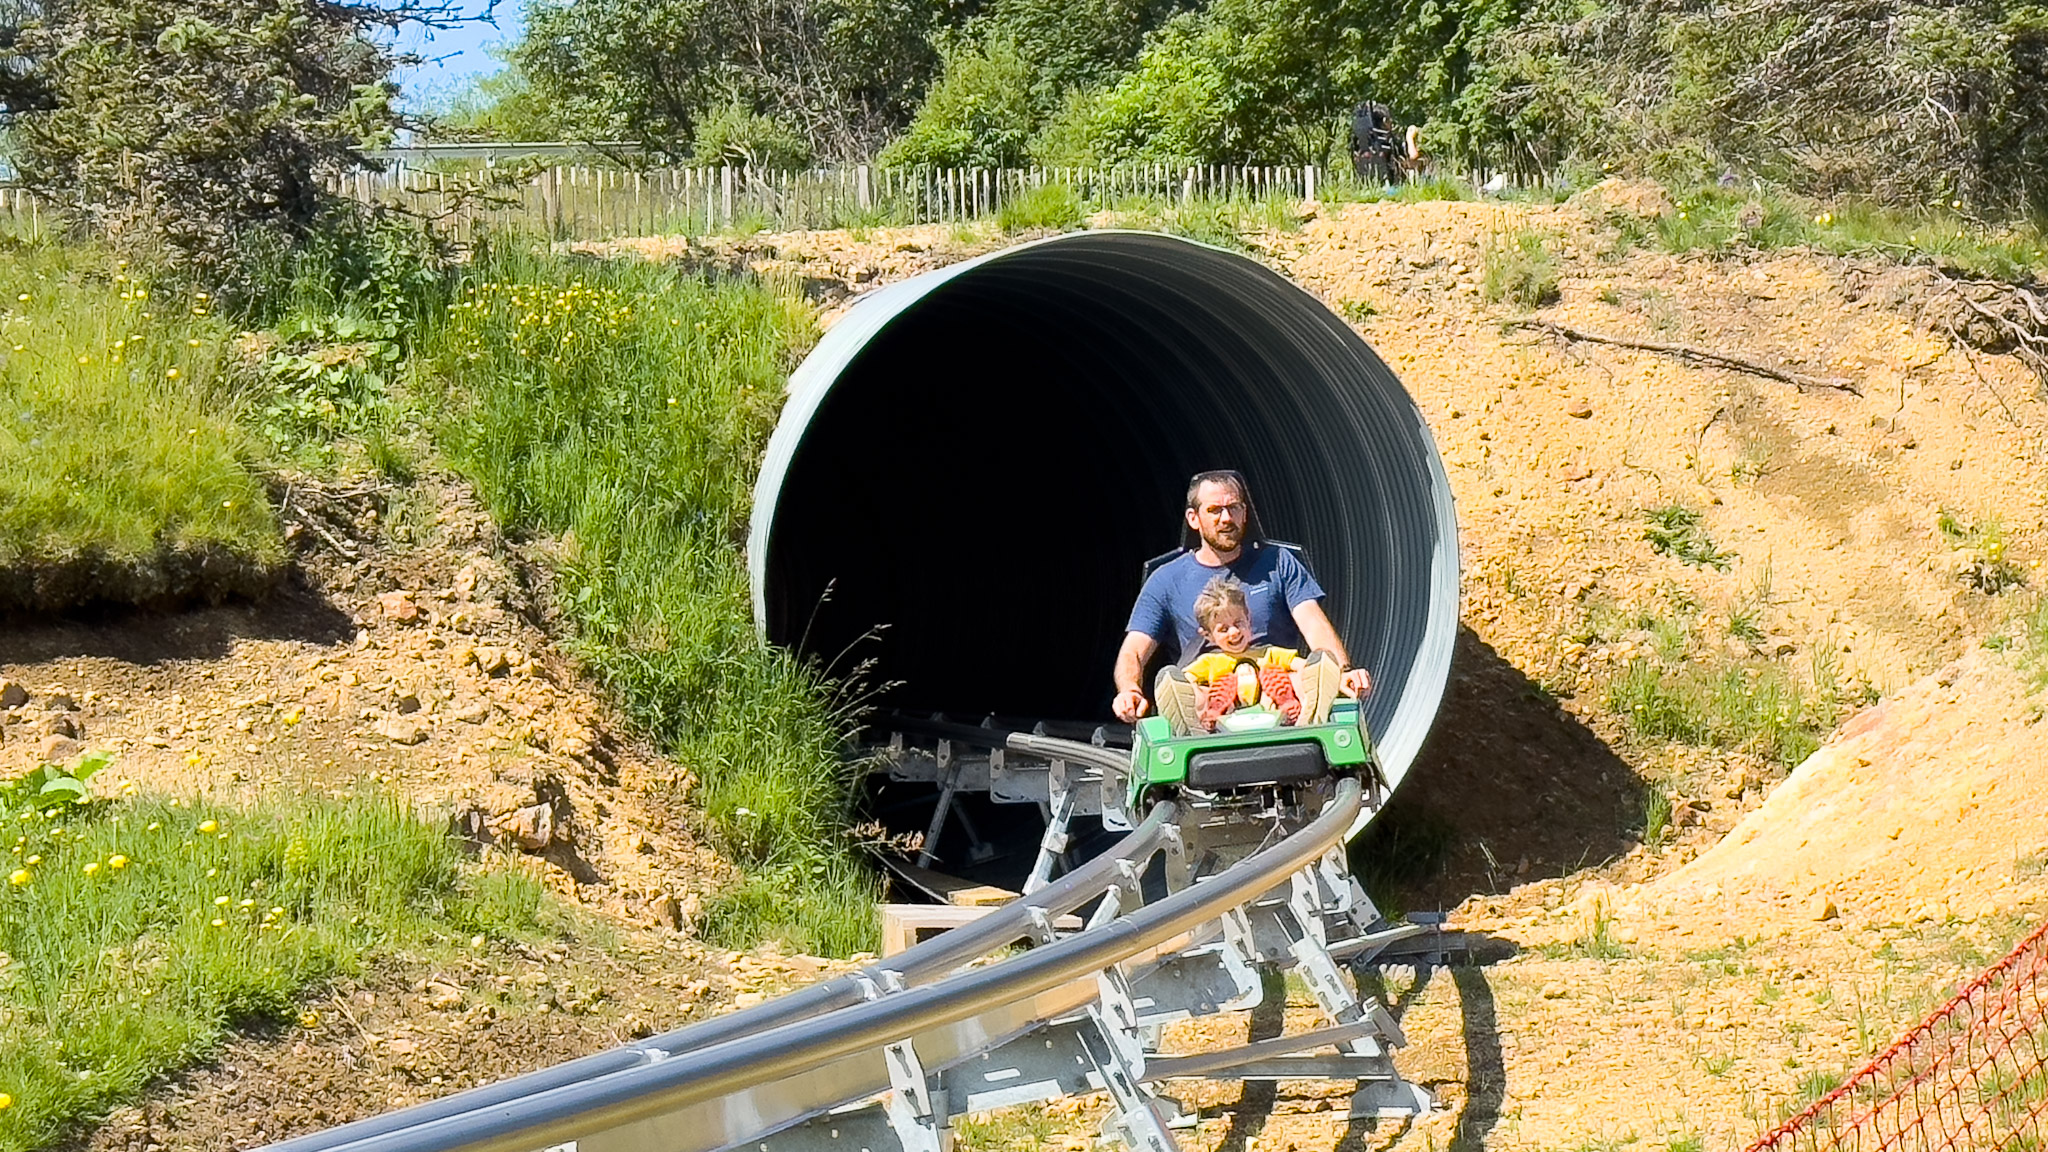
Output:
x=1687 y=352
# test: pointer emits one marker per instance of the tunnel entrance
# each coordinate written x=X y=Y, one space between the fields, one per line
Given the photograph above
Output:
x=973 y=466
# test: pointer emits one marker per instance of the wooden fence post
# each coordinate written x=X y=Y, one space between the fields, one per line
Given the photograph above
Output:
x=725 y=193
x=864 y=194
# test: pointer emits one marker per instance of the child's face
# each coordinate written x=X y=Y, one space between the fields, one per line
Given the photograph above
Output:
x=1230 y=629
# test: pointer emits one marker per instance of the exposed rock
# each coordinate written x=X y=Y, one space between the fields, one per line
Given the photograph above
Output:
x=473 y=713
x=401 y=730
x=57 y=749
x=530 y=829
x=12 y=695
x=399 y=607
x=59 y=725
x=406 y=703
x=60 y=701
x=1579 y=409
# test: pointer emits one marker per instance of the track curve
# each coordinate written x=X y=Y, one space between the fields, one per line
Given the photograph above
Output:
x=979 y=460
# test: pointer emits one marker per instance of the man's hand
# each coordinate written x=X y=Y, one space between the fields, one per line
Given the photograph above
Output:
x=1129 y=705
x=1131 y=656
x=1357 y=683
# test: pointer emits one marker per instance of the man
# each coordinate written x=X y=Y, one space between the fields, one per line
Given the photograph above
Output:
x=1285 y=601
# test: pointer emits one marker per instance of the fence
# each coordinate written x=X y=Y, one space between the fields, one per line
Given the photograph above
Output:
x=587 y=203
x=1970 y=1076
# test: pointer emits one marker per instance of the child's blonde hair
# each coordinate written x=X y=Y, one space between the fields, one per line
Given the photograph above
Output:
x=1219 y=593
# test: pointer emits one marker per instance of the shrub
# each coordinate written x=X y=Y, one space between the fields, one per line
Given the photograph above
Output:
x=977 y=115
x=1053 y=206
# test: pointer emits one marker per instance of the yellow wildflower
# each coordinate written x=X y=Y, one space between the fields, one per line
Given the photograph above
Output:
x=209 y=826
x=19 y=877
x=91 y=866
x=117 y=862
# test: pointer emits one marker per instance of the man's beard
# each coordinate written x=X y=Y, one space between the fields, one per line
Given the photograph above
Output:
x=1225 y=539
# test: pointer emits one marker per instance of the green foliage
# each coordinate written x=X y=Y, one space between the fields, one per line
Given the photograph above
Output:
x=1676 y=530
x=58 y=791
x=842 y=73
x=1053 y=206
x=623 y=408
x=1910 y=102
x=1520 y=269
x=978 y=114
x=735 y=134
x=1597 y=942
x=1984 y=562
x=502 y=105
x=206 y=129
x=1723 y=704
x=137 y=932
x=123 y=474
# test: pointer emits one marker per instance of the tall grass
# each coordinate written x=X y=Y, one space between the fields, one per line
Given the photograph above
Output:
x=623 y=407
x=133 y=935
x=122 y=470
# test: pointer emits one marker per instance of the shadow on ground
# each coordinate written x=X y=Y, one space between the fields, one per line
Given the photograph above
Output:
x=295 y=611
x=1510 y=788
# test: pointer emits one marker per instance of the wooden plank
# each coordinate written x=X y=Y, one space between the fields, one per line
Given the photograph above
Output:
x=904 y=925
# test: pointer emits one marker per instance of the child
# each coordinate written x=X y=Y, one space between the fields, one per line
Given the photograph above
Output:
x=1232 y=671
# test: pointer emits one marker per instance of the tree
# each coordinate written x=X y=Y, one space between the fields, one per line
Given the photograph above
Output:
x=500 y=106
x=842 y=73
x=209 y=127
x=978 y=115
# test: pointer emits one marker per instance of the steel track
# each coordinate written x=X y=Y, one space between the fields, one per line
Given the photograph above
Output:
x=957 y=1024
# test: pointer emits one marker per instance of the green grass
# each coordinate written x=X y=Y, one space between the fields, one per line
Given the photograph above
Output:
x=1729 y=704
x=622 y=408
x=1718 y=220
x=1520 y=269
x=1053 y=206
x=1026 y=1126
x=123 y=473
x=1675 y=530
x=1597 y=942
x=135 y=934
x=1988 y=564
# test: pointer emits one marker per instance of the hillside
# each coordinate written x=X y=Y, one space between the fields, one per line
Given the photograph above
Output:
x=1679 y=937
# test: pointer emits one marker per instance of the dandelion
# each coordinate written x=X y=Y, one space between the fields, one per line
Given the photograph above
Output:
x=309 y=1019
x=92 y=867
x=222 y=901
x=85 y=359
x=172 y=374
x=23 y=297
x=18 y=877
x=194 y=343
x=219 y=923
x=32 y=861
x=153 y=826
x=209 y=826
x=117 y=862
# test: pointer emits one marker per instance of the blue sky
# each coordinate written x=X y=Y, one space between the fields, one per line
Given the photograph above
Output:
x=458 y=55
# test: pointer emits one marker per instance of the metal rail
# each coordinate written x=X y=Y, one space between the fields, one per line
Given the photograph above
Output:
x=1016 y=921
x=748 y=1077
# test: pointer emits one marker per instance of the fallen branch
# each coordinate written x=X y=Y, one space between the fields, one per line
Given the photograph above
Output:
x=1687 y=352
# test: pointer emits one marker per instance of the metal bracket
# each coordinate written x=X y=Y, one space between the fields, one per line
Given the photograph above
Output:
x=1056 y=839
x=913 y=1108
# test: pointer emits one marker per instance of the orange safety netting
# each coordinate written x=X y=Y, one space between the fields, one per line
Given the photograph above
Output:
x=1972 y=1075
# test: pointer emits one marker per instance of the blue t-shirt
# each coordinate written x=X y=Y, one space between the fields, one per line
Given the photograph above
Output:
x=1275 y=583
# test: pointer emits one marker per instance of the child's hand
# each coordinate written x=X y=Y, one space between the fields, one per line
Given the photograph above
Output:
x=1357 y=683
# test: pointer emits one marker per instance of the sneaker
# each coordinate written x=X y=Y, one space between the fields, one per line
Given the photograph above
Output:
x=1279 y=692
x=1321 y=679
x=1180 y=700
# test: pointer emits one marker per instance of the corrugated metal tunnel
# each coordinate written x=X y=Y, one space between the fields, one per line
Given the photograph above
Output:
x=973 y=465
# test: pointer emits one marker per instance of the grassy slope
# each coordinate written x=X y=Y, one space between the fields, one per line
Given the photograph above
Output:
x=122 y=471
x=623 y=407
x=135 y=933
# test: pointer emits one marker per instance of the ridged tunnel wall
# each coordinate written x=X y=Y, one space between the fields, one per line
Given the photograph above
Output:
x=974 y=464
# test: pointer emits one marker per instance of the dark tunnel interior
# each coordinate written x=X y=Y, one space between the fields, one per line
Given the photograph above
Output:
x=975 y=465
